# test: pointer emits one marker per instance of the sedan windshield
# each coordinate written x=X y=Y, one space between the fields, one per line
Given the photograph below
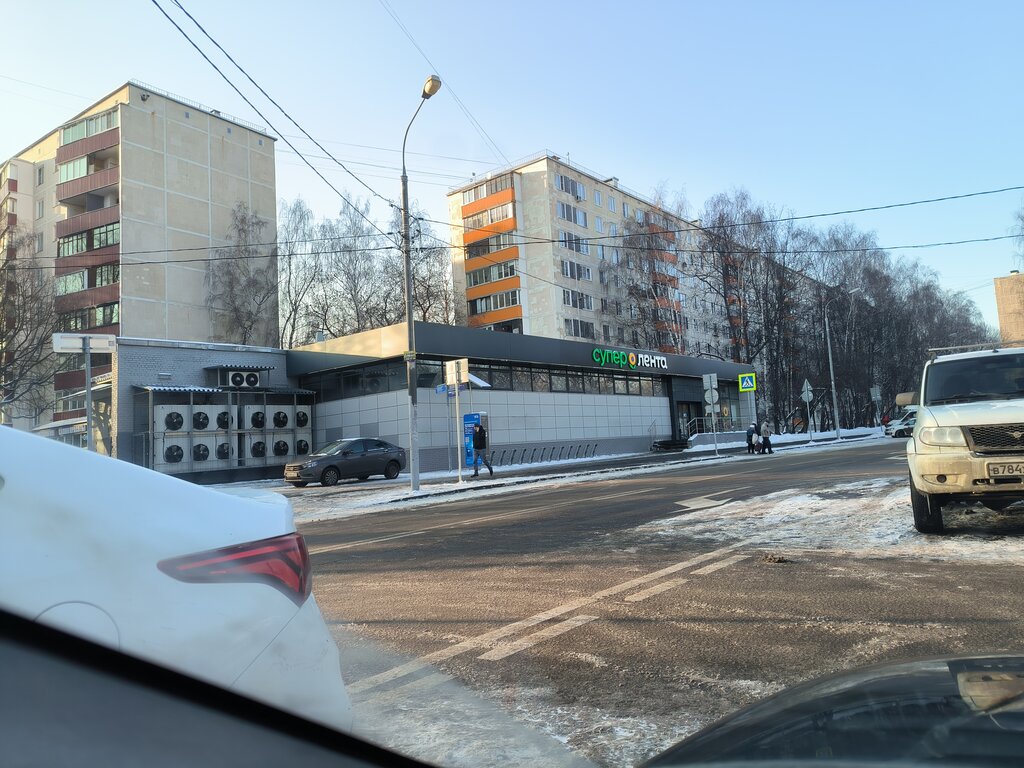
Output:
x=333 y=448
x=998 y=377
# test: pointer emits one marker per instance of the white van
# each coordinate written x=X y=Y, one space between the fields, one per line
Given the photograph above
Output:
x=896 y=426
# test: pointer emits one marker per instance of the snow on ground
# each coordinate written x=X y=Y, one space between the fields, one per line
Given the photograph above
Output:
x=869 y=518
x=314 y=503
x=793 y=440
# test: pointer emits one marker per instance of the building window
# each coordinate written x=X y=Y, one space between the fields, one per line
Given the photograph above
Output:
x=490 y=216
x=490 y=187
x=40 y=206
x=573 y=242
x=575 y=270
x=490 y=245
x=71 y=283
x=572 y=213
x=75 y=169
x=39 y=242
x=108 y=274
x=100 y=237
x=89 y=126
x=599 y=224
x=580 y=329
x=606 y=334
x=107 y=235
x=72 y=244
x=494 y=301
x=573 y=187
x=108 y=314
x=640 y=218
x=577 y=299
x=611 y=203
x=597 y=197
x=490 y=274
x=39 y=174
x=613 y=229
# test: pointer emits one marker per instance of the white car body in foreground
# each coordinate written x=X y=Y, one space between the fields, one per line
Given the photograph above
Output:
x=210 y=584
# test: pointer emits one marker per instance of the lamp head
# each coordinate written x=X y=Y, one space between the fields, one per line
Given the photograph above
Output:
x=432 y=86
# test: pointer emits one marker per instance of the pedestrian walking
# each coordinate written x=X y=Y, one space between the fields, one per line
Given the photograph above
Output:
x=766 y=434
x=751 y=434
x=480 y=450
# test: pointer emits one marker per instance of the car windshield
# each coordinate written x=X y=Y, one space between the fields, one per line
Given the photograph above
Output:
x=334 y=448
x=996 y=377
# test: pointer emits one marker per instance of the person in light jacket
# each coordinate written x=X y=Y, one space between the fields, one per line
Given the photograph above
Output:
x=766 y=434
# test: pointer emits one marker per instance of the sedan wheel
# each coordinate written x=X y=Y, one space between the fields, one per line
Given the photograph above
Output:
x=391 y=470
x=331 y=476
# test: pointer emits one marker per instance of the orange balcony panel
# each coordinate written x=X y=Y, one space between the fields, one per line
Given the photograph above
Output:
x=88 y=145
x=472 y=235
x=499 y=286
x=108 y=177
x=76 y=379
x=496 y=316
x=491 y=201
x=10 y=187
x=496 y=257
x=88 y=220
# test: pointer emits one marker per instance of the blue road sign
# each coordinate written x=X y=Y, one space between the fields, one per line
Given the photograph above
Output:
x=748 y=382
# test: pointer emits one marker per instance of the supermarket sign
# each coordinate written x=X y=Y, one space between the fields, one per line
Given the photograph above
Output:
x=613 y=358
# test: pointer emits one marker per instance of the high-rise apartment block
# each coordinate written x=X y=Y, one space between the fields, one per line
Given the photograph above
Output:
x=549 y=249
x=131 y=202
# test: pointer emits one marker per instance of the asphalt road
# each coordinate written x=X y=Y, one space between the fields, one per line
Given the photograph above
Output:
x=549 y=608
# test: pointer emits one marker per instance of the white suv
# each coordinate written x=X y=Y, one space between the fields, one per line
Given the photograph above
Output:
x=968 y=442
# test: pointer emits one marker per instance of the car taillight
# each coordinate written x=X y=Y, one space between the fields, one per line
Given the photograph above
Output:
x=282 y=562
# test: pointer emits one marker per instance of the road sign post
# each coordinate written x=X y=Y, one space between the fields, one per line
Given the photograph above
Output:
x=86 y=343
x=807 y=395
x=711 y=398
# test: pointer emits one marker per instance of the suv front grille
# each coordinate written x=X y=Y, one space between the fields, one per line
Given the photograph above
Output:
x=997 y=438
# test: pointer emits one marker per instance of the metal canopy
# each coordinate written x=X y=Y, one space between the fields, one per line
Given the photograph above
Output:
x=253 y=368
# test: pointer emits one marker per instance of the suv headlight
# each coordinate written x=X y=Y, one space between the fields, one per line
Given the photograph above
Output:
x=948 y=436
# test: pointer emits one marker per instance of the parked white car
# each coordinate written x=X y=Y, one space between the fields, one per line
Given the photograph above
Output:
x=897 y=427
x=210 y=584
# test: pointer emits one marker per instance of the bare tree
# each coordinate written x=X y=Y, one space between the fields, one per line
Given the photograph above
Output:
x=300 y=253
x=243 y=285
x=27 y=322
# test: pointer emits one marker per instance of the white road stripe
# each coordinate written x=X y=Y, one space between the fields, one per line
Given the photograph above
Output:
x=503 y=651
x=720 y=564
x=657 y=589
x=509 y=629
x=349 y=545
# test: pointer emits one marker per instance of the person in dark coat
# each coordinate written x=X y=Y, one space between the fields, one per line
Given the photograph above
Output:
x=751 y=431
x=480 y=450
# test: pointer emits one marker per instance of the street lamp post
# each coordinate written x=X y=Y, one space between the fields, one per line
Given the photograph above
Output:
x=430 y=87
x=831 y=369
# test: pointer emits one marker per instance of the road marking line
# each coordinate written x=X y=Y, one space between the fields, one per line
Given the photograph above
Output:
x=416 y=686
x=538 y=618
x=657 y=589
x=720 y=565
x=503 y=651
x=336 y=547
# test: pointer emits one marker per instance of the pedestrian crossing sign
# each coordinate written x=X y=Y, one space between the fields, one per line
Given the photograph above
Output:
x=748 y=382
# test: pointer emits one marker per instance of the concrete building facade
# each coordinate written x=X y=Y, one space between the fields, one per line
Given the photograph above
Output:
x=550 y=249
x=132 y=202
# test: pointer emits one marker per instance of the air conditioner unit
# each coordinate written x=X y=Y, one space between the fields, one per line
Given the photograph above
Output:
x=281 y=416
x=242 y=379
x=255 y=447
x=171 y=454
x=303 y=416
x=224 y=419
x=205 y=454
x=204 y=417
x=303 y=442
x=374 y=384
x=170 y=418
x=280 y=447
x=253 y=417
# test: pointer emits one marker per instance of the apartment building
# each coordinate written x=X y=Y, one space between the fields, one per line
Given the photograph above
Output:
x=131 y=202
x=547 y=248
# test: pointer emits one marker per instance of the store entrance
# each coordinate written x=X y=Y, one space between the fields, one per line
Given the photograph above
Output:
x=686 y=412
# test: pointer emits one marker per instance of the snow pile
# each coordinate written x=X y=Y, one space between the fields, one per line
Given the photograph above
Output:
x=869 y=519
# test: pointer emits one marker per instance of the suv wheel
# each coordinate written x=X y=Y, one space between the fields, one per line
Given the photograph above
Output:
x=927 y=510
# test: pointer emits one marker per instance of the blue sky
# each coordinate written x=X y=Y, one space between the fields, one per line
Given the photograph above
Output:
x=811 y=106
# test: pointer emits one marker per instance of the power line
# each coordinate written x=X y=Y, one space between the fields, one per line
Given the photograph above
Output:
x=262 y=116
x=386 y=167
x=465 y=110
x=282 y=110
x=408 y=152
x=44 y=87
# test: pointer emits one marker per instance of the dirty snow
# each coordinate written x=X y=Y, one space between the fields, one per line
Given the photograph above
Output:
x=869 y=518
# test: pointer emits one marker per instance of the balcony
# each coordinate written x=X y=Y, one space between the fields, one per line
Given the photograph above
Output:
x=89 y=145
x=89 y=220
x=94 y=182
x=8 y=188
x=90 y=297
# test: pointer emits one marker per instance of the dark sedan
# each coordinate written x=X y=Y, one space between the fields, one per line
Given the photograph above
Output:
x=358 y=457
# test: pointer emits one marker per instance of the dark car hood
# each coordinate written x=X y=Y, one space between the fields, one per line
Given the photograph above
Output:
x=959 y=711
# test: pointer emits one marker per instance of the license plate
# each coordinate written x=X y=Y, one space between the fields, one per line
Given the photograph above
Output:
x=1006 y=470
